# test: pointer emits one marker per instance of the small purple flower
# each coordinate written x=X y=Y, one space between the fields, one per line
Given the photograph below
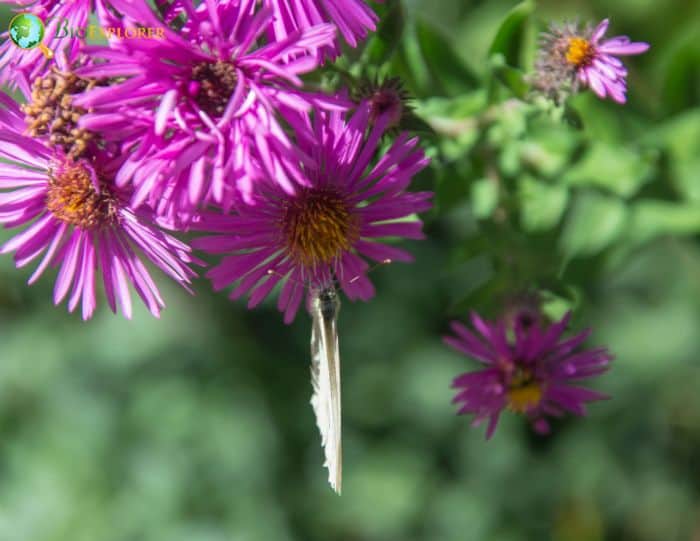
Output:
x=208 y=98
x=354 y=18
x=322 y=233
x=570 y=57
x=527 y=370
x=74 y=216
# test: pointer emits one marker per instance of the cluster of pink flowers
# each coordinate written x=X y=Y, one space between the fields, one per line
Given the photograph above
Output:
x=210 y=129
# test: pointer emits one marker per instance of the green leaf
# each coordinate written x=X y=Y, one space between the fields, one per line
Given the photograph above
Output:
x=687 y=178
x=451 y=187
x=411 y=65
x=618 y=169
x=509 y=37
x=460 y=107
x=382 y=45
x=650 y=218
x=512 y=78
x=542 y=205
x=572 y=117
x=550 y=148
x=509 y=157
x=556 y=305
x=681 y=71
x=442 y=61
x=595 y=222
x=680 y=134
x=484 y=196
x=453 y=119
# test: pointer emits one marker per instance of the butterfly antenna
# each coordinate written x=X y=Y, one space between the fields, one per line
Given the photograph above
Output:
x=382 y=262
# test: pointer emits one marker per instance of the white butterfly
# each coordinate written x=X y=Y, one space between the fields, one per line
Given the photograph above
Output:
x=325 y=378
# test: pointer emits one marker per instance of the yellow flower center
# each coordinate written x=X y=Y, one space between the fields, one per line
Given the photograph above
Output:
x=524 y=392
x=318 y=225
x=579 y=52
x=72 y=198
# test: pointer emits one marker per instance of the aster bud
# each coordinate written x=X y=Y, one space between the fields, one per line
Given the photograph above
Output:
x=386 y=98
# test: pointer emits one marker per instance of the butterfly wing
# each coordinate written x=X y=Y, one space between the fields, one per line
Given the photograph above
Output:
x=325 y=379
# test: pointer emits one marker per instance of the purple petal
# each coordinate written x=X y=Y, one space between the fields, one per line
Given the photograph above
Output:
x=621 y=47
x=600 y=30
x=70 y=262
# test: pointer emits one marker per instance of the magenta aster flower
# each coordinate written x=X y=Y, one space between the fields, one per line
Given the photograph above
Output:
x=354 y=18
x=208 y=98
x=527 y=371
x=321 y=234
x=76 y=217
x=570 y=57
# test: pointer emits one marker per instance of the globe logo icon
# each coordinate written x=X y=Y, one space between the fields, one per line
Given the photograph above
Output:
x=27 y=32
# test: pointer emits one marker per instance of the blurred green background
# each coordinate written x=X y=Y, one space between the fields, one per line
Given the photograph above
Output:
x=197 y=426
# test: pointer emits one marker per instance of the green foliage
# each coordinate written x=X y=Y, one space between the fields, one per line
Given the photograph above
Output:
x=510 y=36
x=542 y=204
x=594 y=223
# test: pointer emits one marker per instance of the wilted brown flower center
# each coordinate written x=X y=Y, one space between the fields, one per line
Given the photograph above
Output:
x=217 y=81
x=51 y=111
x=524 y=392
x=72 y=198
x=579 y=52
x=318 y=225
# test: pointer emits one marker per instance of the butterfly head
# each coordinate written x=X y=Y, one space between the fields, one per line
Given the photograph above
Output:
x=328 y=302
